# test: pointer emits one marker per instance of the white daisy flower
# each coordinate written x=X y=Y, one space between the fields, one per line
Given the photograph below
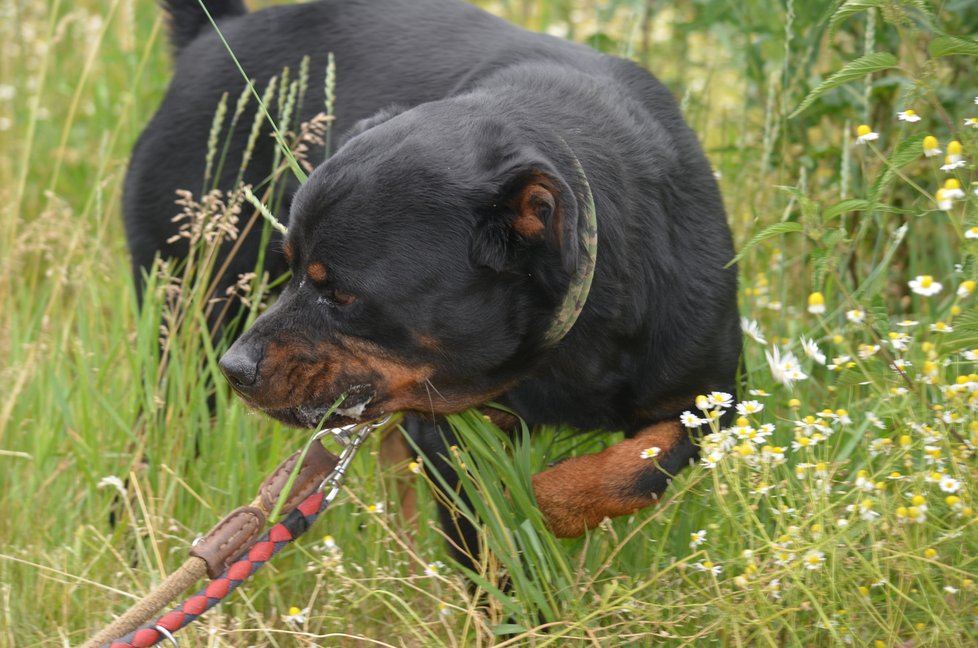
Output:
x=690 y=420
x=925 y=285
x=856 y=315
x=296 y=616
x=812 y=351
x=697 y=538
x=752 y=330
x=813 y=559
x=908 y=115
x=865 y=134
x=785 y=368
x=746 y=408
x=650 y=453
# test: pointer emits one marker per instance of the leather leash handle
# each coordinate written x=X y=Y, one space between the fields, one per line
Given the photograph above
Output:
x=241 y=527
x=230 y=538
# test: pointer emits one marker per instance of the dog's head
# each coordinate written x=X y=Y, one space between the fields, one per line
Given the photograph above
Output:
x=428 y=258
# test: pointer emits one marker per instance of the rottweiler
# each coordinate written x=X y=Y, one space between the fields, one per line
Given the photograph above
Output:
x=508 y=218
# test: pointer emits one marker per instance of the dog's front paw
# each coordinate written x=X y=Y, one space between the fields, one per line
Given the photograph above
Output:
x=575 y=496
x=578 y=493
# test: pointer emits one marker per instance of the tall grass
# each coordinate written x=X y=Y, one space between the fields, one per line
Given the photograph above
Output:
x=843 y=512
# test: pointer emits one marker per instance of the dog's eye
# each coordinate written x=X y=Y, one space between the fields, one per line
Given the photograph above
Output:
x=337 y=298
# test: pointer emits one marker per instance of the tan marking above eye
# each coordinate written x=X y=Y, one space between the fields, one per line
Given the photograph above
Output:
x=317 y=272
x=288 y=252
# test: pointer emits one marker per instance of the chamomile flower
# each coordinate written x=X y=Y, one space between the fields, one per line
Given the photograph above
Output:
x=944 y=202
x=773 y=455
x=296 y=616
x=899 y=341
x=416 y=466
x=971 y=121
x=712 y=459
x=949 y=484
x=950 y=165
x=881 y=446
x=811 y=350
x=758 y=392
x=434 y=568
x=752 y=330
x=971 y=232
x=816 y=303
x=925 y=285
x=941 y=327
x=841 y=362
x=813 y=559
x=875 y=421
x=908 y=115
x=931 y=146
x=865 y=134
x=970 y=354
x=747 y=408
x=690 y=420
x=868 y=350
x=720 y=400
x=697 y=538
x=952 y=189
x=650 y=453
x=785 y=368
x=966 y=288
x=955 y=151
x=376 y=507
x=709 y=566
x=856 y=315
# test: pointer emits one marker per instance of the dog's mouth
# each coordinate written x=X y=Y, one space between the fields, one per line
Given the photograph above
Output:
x=350 y=410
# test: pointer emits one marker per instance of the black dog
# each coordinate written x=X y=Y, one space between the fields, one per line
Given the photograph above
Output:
x=443 y=257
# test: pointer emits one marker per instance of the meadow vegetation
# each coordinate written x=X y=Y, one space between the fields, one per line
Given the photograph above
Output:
x=841 y=508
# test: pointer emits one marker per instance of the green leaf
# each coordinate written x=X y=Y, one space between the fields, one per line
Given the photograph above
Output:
x=952 y=45
x=857 y=69
x=906 y=152
x=859 y=204
x=851 y=8
x=769 y=232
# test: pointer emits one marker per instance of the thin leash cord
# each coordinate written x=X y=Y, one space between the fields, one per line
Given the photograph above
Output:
x=130 y=627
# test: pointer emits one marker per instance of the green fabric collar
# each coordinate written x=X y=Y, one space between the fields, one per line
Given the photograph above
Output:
x=580 y=283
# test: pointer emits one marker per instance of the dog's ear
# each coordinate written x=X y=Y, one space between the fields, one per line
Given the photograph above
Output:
x=376 y=119
x=531 y=206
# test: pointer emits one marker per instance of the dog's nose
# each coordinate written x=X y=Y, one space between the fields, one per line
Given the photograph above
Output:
x=240 y=367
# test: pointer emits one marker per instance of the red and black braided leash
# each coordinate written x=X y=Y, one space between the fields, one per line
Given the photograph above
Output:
x=235 y=549
x=294 y=525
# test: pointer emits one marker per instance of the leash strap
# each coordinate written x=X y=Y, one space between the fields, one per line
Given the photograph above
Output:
x=269 y=544
x=220 y=552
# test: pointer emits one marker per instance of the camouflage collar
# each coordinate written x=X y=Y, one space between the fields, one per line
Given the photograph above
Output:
x=580 y=283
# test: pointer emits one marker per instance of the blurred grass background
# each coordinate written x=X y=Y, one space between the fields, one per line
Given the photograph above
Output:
x=84 y=418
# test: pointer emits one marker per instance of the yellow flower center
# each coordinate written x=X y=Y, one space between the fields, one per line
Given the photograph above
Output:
x=293 y=611
x=909 y=113
x=930 y=143
x=926 y=281
x=954 y=147
x=862 y=130
x=918 y=500
x=952 y=183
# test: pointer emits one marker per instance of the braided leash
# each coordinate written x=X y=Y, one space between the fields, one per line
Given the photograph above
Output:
x=223 y=546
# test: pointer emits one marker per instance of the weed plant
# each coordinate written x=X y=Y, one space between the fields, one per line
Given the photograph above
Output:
x=839 y=509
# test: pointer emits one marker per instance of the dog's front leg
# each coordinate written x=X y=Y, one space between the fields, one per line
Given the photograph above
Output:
x=577 y=494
